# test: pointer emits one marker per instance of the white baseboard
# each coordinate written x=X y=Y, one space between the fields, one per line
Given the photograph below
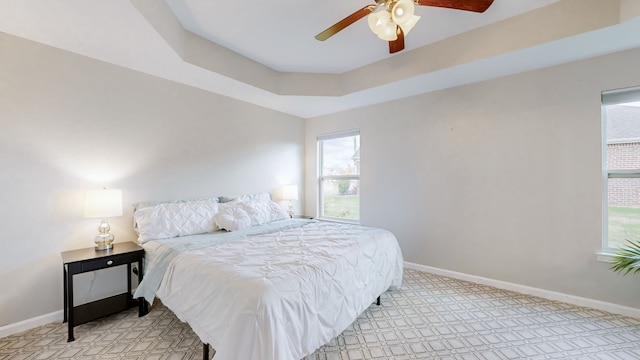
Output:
x=528 y=290
x=30 y=323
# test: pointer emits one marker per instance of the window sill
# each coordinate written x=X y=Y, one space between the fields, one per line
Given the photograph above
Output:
x=604 y=256
x=343 y=221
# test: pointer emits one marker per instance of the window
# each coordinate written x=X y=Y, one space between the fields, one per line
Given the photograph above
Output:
x=339 y=176
x=621 y=163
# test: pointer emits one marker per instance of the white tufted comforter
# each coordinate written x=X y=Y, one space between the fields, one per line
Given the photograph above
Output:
x=273 y=295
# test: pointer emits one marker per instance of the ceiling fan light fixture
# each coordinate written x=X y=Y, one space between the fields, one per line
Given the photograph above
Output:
x=396 y=18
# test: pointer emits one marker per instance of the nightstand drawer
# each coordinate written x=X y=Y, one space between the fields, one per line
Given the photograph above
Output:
x=112 y=261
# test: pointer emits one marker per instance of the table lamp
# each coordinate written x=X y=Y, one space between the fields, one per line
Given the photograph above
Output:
x=103 y=204
x=290 y=193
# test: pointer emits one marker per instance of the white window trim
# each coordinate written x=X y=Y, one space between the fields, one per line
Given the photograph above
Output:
x=319 y=140
x=612 y=97
x=605 y=256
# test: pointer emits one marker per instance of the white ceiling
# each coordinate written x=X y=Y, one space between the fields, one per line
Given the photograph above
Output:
x=280 y=35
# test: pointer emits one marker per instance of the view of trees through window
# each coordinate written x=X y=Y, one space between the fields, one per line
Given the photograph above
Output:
x=622 y=127
x=340 y=176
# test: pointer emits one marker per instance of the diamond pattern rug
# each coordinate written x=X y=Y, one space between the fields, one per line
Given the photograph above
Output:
x=431 y=317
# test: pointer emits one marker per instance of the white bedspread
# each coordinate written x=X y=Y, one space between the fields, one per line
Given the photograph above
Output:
x=277 y=295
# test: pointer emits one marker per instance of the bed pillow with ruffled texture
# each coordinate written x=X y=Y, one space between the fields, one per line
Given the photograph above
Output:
x=259 y=197
x=144 y=204
x=167 y=220
x=232 y=218
x=263 y=212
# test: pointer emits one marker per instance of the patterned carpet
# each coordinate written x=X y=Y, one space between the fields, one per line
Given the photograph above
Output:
x=431 y=317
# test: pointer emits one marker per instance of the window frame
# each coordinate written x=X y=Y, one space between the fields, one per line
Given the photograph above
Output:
x=321 y=177
x=613 y=97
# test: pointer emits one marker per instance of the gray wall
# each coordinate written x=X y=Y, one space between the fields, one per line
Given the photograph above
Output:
x=69 y=123
x=499 y=179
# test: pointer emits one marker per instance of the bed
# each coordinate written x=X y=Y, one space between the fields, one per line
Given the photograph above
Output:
x=260 y=285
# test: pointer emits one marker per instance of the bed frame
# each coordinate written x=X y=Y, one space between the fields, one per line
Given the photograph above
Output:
x=205 y=347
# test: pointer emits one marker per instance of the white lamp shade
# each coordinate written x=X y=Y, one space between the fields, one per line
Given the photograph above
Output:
x=290 y=192
x=375 y=21
x=407 y=26
x=380 y=23
x=402 y=11
x=103 y=203
x=388 y=32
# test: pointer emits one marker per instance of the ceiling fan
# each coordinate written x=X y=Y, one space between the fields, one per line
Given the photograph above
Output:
x=396 y=18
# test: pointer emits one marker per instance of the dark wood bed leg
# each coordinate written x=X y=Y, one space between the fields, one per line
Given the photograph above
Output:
x=378 y=301
x=205 y=351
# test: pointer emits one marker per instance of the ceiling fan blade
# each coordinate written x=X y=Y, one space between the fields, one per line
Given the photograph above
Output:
x=334 y=29
x=468 y=5
x=397 y=44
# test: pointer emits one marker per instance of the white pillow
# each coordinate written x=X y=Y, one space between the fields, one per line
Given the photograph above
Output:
x=232 y=218
x=144 y=204
x=260 y=197
x=167 y=220
x=263 y=212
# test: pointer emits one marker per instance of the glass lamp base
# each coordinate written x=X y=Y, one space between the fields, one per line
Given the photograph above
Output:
x=290 y=210
x=104 y=240
x=104 y=246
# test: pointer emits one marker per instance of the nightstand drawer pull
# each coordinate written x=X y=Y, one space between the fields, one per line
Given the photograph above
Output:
x=111 y=261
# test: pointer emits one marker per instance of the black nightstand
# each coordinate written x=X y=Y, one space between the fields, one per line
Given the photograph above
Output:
x=89 y=259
